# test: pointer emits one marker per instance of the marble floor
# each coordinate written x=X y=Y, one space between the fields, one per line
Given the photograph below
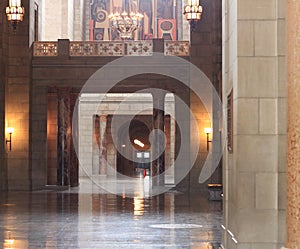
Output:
x=85 y=217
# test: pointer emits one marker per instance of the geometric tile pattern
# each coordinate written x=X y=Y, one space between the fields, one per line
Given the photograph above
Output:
x=177 y=48
x=45 y=49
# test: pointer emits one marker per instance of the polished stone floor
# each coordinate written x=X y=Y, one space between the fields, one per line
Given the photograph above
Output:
x=82 y=218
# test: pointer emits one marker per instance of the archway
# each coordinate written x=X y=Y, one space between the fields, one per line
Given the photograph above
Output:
x=140 y=128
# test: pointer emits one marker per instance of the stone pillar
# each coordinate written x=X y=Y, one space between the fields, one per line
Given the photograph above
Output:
x=74 y=164
x=172 y=148
x=103 y=149
x=293 y=129
x=3 y=72
x=96 y=144
x=158 y=142
x=63 y=139
x=16 y=55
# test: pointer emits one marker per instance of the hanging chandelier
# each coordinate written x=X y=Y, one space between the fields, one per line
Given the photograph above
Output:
x=15 y=12
x=125 y=24
x=193 y=12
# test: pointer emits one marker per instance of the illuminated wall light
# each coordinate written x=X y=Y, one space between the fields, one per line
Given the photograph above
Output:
x=10 y=131
x=9 y=242
x=207 y=130
x=139 y=143
x=192 y=12
x=15 y=12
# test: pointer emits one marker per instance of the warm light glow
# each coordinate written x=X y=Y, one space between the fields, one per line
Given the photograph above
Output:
x=139 y=143
x=9 y=241
x=138 y=203
x=10 y=130
x=15 y=11
x=193 y=10
x=125 y=24
x=207 y=130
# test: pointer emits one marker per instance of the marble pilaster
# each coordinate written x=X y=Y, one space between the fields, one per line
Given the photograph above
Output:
x=293 y=124
x=158 y=143
x=74 y=164
x=96 y=144
x=63 y=139
x=103 y=146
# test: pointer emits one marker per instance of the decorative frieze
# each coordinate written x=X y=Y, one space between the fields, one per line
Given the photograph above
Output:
x=45 y=49
x=177 y=48
x=83 y=49
x=140 y=48
x=111 y=48
x=108 y=48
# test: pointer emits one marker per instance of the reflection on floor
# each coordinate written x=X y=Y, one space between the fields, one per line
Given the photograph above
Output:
x=77 y=219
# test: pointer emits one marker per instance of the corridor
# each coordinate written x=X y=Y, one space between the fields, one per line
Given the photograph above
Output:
x=87 y=217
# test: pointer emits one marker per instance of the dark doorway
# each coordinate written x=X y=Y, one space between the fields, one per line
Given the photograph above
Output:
x=139 y=129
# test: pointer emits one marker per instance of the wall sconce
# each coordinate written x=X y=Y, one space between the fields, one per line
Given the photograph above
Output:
x=10 y=131
x=15 y=12
x=208 y=131
x=9 y=242
x=139 y=143
x=192 y=12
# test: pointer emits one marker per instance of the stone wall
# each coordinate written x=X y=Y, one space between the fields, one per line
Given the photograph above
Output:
x=52 y=18
x=253 y=67
x=206 y=55
x=3 y=63
x=63 y=19
x=78 y=20
x=17 y=103
x=90 y=106
x=52 y=127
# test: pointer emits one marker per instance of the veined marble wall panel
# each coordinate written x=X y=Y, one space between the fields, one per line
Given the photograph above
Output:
x=52 y=18
x=79 y=20
x=62 y=19
x=254 y=57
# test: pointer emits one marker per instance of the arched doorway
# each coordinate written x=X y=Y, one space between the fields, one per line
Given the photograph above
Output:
x=139 y=132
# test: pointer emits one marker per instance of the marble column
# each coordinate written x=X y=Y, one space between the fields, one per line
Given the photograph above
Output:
x=63 y=139
x=172 y=149
x=293 y=129
x=96 y=144
x=158 y=143
x=74 y=164
x=103 y=149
